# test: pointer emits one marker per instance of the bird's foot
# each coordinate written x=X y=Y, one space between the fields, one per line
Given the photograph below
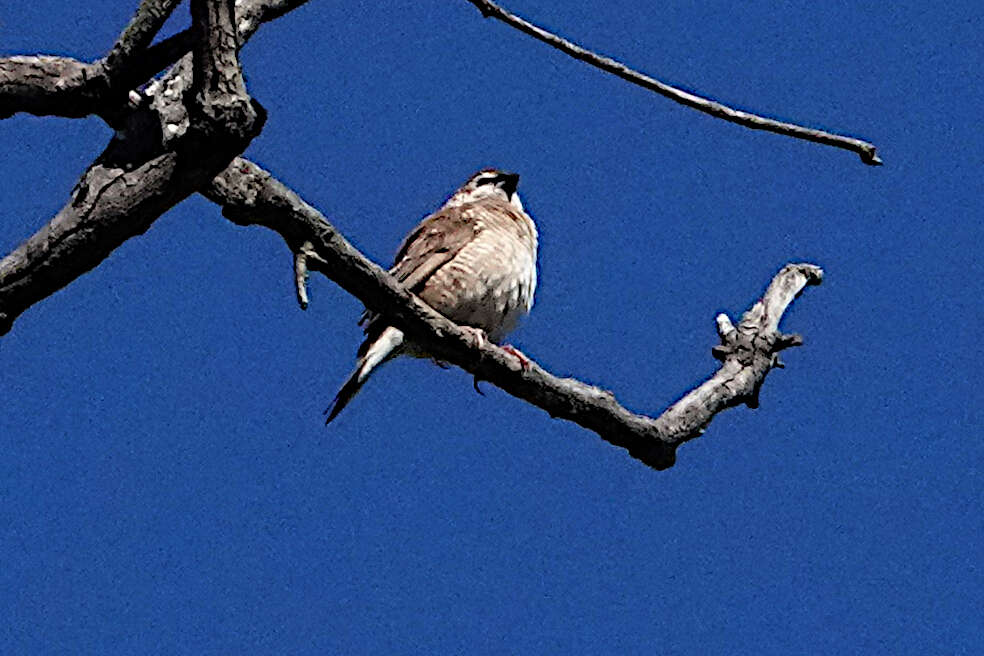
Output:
x=479 y=339
x=524 y=362
x=476 y=335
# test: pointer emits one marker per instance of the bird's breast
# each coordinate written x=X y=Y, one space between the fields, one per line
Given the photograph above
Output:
x=490 y=282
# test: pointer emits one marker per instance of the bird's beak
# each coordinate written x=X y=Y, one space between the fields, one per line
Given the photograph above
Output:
x=508 y=182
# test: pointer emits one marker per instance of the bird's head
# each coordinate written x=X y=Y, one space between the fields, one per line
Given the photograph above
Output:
x=486 y=184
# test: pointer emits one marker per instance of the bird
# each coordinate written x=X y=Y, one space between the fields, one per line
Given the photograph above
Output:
x=473 y=260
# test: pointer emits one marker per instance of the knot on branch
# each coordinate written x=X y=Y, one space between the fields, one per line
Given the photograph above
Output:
x=229 y=118
x=744 y=346
x=243 y=187
x=736 y=343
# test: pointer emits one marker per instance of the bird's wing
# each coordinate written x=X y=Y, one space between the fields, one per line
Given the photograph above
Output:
x=434 y=243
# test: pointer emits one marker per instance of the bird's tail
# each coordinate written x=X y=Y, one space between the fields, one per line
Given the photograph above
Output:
x=379 y=351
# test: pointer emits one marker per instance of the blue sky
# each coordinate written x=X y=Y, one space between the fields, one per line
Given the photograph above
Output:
x=167 y=485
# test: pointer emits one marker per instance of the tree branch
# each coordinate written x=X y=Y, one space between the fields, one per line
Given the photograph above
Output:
x=141 y=174
x=49 y=86
x=250 y=14
x=218 y=88
x=61 y=86
x=150 y=165
x=145 y=24
x=865 y=150
x=251 y=196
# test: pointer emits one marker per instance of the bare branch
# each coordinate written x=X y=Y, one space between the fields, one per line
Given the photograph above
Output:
x=250 y=15
x=865 y=150
x=145 y=24
x=61 y=86
x=747 y=354
x=114 y=201
x=49 y=86
x=150 y=165
x=249 y=195
x=218 y=87
x=142 y=173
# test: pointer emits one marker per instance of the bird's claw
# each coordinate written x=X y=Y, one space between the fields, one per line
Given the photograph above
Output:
x=524 y=362
x=476 y=335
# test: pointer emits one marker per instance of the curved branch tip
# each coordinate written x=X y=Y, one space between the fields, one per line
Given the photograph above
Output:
x=812 y=273
x=870 y=156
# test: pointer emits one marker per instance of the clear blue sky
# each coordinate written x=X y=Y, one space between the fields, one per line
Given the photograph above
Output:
x=166 y=482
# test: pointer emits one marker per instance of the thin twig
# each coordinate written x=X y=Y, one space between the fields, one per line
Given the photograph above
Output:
x=864 y=149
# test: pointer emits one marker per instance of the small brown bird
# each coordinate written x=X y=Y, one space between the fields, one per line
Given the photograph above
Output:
x=473 y=260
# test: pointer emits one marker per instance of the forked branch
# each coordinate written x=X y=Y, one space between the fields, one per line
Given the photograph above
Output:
x=138 y=178
x=46 y=85
x=62 y=86
x=865 y=150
